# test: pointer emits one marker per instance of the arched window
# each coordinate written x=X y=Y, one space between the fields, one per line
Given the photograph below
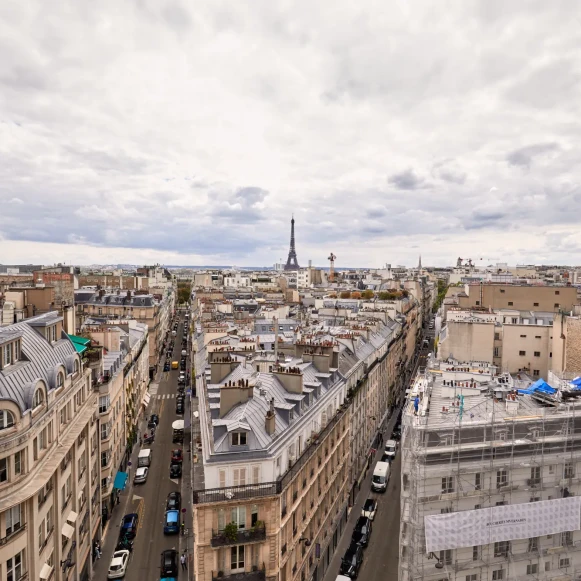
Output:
x=38 y=398
x=6 y=419
x=60 y=379
x=76 y=366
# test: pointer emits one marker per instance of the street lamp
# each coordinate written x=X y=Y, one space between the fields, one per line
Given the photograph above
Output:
x=306 y=540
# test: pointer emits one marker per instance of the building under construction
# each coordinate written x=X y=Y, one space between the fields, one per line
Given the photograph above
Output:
x=491 y=467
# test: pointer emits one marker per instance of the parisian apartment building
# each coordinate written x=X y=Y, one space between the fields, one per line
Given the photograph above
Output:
x=289 y=412
x=50 y=488
x=490 y=477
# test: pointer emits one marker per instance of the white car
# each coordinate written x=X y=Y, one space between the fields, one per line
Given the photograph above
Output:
x=118 y=565
x=391 y=448
x=369 y=508
x=140 y=475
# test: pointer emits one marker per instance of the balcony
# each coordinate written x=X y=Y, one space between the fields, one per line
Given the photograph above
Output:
x=243 y=537
x=258 y=575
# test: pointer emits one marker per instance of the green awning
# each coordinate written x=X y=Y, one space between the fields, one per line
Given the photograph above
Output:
x=81 y=344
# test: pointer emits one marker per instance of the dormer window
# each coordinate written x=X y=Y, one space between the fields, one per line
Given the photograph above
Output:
x=76 y=366
x=38 y=398
x=51 y=333
x=10 y=353
x=60 y=379
x=239 y=439
x=6 y=419
x=291 y=415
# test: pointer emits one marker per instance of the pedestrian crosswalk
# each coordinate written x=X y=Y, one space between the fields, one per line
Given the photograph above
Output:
x=166 y=396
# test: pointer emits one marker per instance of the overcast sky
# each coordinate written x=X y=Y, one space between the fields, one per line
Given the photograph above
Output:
x=189 y=132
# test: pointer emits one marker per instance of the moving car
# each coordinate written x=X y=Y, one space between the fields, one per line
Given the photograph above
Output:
x=166 y=365
x=396 y=435
x=175 y=470
x=391 y=448
x=141 y=475
x=169 y=563
x=362 y=531
x=177 y=456
x=129 y=526
x=171 y=525
x=175 y=364
x=380 y=477
x=118 y=565
x=174 y=501
x=154 y=418
x=351 y=561
x=369 y=508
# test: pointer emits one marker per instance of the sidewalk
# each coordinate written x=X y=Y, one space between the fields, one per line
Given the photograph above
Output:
x=355 y=511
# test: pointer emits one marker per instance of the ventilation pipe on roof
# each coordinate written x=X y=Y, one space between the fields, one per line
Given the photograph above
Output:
x=275 y=322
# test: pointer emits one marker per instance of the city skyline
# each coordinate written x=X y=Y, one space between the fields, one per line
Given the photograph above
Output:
x=154 y=132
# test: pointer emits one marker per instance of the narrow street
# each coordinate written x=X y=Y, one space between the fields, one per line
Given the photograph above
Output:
x=149 y=500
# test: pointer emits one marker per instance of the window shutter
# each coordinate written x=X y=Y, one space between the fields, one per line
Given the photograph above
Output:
x=242 y=476
x=222 y=478
x=221 y=519
x=236 y=476
x=255 y=474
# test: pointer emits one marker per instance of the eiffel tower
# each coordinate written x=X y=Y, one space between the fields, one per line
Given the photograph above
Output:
x=291 y=261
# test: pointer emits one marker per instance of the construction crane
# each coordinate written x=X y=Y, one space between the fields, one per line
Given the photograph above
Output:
x=331 y=260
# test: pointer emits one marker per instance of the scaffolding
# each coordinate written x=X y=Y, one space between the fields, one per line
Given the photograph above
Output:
x=471 y=444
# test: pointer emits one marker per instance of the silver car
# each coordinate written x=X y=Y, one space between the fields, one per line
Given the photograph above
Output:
x=140 y=475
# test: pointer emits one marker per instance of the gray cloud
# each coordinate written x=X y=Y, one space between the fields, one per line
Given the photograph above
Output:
x=406 y=180
x=201 y=142
x=525 y=155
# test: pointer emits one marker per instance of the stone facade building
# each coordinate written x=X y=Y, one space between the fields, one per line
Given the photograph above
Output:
x=50 y=494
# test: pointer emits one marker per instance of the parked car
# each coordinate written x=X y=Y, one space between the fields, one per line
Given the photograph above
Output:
x=171 y=524
x=391 y=448
x=169 y=563
x=362 y=531
x=118 y=565
x=177 y=456
x=129 y=526
x=369 y=508
x=179 y=407
x=174 y=501
x=141 y=475
x=154 y=418
x=166 y=365
x=175 y=470
x=396 y=434
x=351 y=561
x=385 y=458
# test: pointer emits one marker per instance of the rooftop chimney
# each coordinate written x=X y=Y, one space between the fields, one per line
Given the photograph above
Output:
x=270 y=421
x=233 y=394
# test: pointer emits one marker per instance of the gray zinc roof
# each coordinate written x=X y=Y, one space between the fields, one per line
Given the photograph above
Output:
x=42 y=359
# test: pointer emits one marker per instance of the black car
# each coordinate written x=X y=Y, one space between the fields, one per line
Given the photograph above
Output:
x=179 y=407
x=351 y=561
x=128 y=528
x=362 y=531
x=166 y=365
x=175 y=470
x=181 y=389
x=396 y=435
x=169 y=563
x=151 y=425
x=174 y=501
x=154 y=418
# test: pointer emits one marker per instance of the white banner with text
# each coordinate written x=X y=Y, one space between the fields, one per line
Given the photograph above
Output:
x=470 y=528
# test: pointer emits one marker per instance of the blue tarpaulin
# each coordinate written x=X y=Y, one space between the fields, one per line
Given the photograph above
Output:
x=539 y=386
x=576 y=383
x=120 y=480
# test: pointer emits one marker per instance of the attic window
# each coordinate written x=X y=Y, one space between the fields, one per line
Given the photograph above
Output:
x=60 y=379
x=239 y=438
x=6 y=419
x=51 y=333
x=10 y=353
x=38 y=398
